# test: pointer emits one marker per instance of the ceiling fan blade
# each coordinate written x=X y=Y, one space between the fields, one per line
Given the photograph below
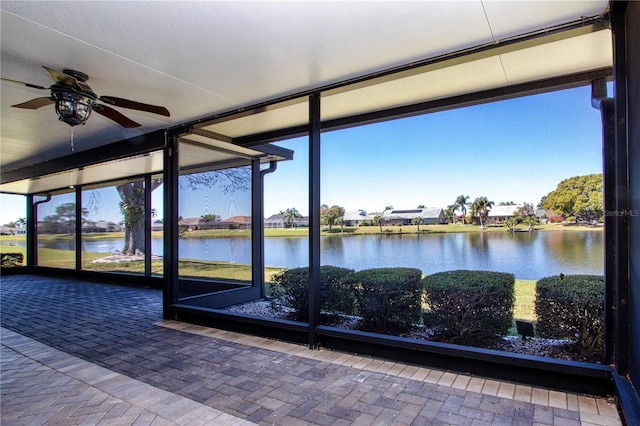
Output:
x=126 y=103
x=33 y=86
x=66 y=79
x=34 y=103
x=114 y=115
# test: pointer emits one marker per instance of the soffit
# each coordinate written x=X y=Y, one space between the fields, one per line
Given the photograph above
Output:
x=585 y=49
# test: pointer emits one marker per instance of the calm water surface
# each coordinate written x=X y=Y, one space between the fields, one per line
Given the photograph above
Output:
x=526 y=255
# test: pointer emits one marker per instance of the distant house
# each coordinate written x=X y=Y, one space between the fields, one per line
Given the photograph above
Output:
x=277 y=221
x=544 y=215
x=357 y=218
x=5 y=230
x=197 y=224
x=236 y=222
x=101 y=226
x=157 y=225
x=431 y=215
x=500 y=214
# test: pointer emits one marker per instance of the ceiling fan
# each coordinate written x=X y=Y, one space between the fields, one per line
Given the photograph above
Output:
x=74 y=100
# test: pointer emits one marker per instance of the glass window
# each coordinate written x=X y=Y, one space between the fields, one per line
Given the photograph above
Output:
x=113 y=228
x=214 y=220
x=481 y=188
x=13 y=229
x=157 y=225
x=56 y=231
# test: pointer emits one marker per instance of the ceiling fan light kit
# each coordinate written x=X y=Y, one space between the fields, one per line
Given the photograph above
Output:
x=72 y=108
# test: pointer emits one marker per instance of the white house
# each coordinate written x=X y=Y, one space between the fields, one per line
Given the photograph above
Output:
x=430 y=215
x=357 y=218
x=499 y=214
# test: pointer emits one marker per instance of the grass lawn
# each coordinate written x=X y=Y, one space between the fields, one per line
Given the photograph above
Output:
x=524 y=289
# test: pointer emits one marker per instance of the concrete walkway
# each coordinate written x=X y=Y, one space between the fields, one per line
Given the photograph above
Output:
x=75 y=352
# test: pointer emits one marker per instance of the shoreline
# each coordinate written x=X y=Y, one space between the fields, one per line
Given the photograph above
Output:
x=335 y=231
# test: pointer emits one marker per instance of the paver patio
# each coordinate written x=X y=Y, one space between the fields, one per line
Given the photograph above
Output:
x=77 y=352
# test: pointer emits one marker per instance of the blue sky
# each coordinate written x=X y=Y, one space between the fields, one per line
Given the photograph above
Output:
x=516 y=150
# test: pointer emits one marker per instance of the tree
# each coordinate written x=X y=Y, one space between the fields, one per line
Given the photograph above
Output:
x=461 y=204
x=511 y=223
x=132 y=195
x=331 y=215
x=132 y=199
x=63 y=221
x=541 y=202
x=211 y=217
x=481 y=207
x=378 y=220
x=449 y=213
x=578 y=196
x=290 y=216
x=420 y=206
x=417 y=221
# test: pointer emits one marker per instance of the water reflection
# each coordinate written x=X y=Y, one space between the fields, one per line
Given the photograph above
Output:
x=526 y=255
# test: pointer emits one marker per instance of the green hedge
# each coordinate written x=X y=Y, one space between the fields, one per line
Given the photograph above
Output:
x=389 y=299
x=472 y=307
x=291 y=287
x=10 y=260
x=572 y=307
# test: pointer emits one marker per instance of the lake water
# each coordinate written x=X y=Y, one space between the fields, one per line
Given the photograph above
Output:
x=526 y=255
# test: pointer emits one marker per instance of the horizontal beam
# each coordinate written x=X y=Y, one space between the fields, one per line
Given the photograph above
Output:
x=114 y=151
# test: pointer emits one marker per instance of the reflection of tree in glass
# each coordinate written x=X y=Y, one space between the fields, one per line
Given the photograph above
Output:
x=132 y=199
x=63 y=222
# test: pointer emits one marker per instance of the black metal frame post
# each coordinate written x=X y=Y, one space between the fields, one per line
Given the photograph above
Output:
x=257 y=233
x=622 y=332
x=259 y=238
x=78 y=234
x=314 y=218
x=147 y=225
x=605 y=105
x=170 y=255
x=32 y=252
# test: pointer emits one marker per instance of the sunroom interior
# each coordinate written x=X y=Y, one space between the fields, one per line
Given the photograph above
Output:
x=230 y=130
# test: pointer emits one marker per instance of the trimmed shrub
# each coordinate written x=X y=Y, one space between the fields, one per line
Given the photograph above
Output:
x=10 y=260
x=389 y=299
x=572 y=307
x=472 y=307
x=291 y=287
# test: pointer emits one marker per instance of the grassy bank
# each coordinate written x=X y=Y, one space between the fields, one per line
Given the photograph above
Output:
x=304 y=232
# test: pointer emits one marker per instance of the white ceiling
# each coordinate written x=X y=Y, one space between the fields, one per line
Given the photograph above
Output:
x=202 y=58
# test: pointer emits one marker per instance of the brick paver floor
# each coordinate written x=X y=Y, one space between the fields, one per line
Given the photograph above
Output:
x=113 y=360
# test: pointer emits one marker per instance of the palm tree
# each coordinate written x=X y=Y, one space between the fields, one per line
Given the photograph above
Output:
x=377 y=220
x=461 y=204
x=481 y=207
x=449 y=213
x=417 y=221
x=290 y=216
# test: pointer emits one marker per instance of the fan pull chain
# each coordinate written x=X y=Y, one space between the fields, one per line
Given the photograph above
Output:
x=72 y=147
